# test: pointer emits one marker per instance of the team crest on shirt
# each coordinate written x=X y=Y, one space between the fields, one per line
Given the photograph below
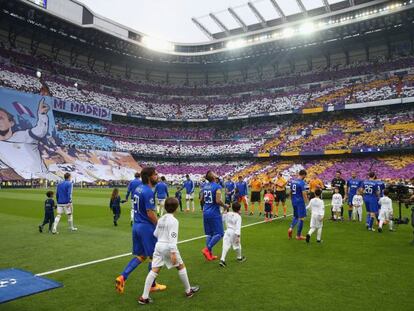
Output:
x=152 y=201
x=173 y=235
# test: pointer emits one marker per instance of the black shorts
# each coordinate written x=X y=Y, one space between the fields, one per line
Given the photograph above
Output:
x=280 y=196
x=268 y=207
x=255 y=197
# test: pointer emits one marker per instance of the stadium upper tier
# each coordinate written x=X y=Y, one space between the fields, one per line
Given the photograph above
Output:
x=370 y=129
x=376 y=83
x=367 y=89
x=88 y=78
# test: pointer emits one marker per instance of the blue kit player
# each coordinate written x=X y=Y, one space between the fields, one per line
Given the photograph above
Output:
x=299 y=200
x=213 y=223
x=145 y=221
x=133 y=184
x=371 y=193
x=161 y=193
x=229 y=186
x=381 y=186
x=352 y=186
x=189 y=187
x=64 y=202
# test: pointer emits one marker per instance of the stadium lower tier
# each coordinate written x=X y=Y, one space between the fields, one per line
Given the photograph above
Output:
x=92 y=166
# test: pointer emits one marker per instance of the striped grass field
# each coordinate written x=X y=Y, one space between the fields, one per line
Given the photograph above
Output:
x=351 y=270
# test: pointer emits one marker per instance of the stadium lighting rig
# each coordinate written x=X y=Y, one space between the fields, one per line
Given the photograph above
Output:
x=308 y=26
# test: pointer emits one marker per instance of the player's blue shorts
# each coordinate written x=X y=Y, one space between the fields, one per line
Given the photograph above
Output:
x=143 y=239
x=350 y=199
x=299 y=210
x=213 y=225
x=371 y=205
x=227 y=200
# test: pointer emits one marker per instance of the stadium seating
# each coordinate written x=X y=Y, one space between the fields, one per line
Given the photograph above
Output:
x=145 y=100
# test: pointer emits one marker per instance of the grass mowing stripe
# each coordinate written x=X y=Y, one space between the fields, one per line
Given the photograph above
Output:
x=129 y=254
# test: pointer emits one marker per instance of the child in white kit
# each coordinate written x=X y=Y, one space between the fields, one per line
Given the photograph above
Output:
x=166 y=252
x=317 y=207
x=386 y=211
x=336 y=204
x=357 y=202
x=232 y=234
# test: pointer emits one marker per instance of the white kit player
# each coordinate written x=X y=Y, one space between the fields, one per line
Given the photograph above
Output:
x=20 y=150
x=232 y=235
x=317 y=207
x=166 y=252
x=337 y=204
x=357 y=202
x=386 y=212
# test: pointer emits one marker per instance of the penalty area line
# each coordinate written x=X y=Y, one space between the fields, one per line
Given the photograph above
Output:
x=129 y=254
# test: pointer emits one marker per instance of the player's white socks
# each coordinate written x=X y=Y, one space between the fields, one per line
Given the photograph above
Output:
x=238 y=252
x=391 y=225
x=70 y=222
x=187 y=205
x=148 y=283
x=319 y=234
x=311 y=231
x=55 y=224
x=184 y=278
x=381 y=222
x=224 y=252
x=193 y=204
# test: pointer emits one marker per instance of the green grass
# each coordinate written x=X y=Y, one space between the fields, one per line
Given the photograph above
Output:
x=351 y=270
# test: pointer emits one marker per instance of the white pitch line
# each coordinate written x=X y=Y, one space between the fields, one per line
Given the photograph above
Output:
x=129 y=254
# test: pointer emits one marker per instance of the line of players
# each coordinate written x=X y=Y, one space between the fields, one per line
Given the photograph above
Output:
x=156 y=239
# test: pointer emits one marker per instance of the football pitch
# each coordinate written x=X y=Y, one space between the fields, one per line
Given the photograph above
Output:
x=352 y=269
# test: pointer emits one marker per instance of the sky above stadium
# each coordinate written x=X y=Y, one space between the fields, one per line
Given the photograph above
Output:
x=171 y=19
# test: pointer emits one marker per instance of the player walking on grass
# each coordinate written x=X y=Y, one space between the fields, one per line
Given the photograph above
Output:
x=229 y=186
x=371 y=193
x=145 y=220
x=299 y=199
x=64 y=202
x=161 y=192
x=213 y=223
x=166 y=253
x=49 y=212
x=189 y=187
x=242 y=193
x=231 y=238
x=352 y=185
x=317 y=208
x=133 y=184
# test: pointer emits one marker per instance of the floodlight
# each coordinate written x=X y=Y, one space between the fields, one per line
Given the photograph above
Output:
x=288 y=32
x=157 y=44
x=38 y=74
x=235 y=44
x=307 y=28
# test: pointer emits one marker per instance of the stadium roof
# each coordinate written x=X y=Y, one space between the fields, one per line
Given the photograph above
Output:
x=267 y=31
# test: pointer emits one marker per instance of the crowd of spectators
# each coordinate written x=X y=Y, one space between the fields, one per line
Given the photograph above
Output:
x=125 y=97
x=349 y=130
